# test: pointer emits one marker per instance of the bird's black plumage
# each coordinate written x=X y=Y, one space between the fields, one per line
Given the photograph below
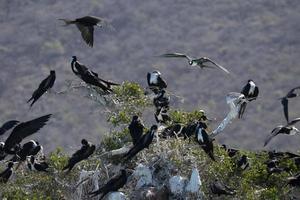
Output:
x=23 y=130
x=250 y=91
x=90 y=77
x=8 y=125
x=86 y=26
x=198 y=62
x=288 y=129
x=204 y=140
x=6 y=174
x=136 y=128
x=155 y=81
x=161 y=100
x=294 y=180
x=114 y=184
x=221 y=189
x=230 y=151
x=243 y=163
x=142 y=143
x=285 y=101
x=37 y=166
x=30 y=148
x=83 y=153
x=45 y=85
x=161 y=115
x=2 y=151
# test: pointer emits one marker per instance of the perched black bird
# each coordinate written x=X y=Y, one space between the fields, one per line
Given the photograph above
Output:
x=142 y=143
x=5 y=175
x=285 y=101
x=161 y=100
x=288 y=129
x=30 y=148
x=23 y=130
x=174 y=130
x=86 y=27
x=199 y=62
x=155 y=82
x=220 y=189
x=294 y=180
x=113 y=185
x=243 y=163
x=86 y=150
x=8 y=125
x=230 y=151
x=161 y=115
x=45 y=85
x=204 y=140
x=90 y=77
x=136 y=128
x=250 y=91
x=37 y=166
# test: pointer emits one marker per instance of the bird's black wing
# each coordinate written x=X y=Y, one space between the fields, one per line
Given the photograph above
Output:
x=8 y=125
x=294 y=121
x=25 y=129
x=292 y=93
x=274 y=132
x=285 y=104
x=216 y=65
x=87 y=33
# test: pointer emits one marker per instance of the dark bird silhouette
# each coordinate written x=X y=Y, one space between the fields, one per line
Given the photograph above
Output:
x=174 y=130
x=161 y=115
x=199 y=62
x=24 y=130
x=136 y=128
x=8 y=125
x=142 y=143
x=220 y=189
x=45 y=85
x=86 y=150
x=243 y=163
x=161 y=100
x=30 y=148
x=155 y=82
x=6 y=174
x=294 y=180
x=113 y=185
x=37 y=166
x=204 y=140
x=250 y=91
x=230 y=151
x=285 y=101
x=86 y=26
x=90 y=77
x=288 y=129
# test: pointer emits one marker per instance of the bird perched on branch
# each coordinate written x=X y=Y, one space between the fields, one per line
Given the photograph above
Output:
x=86 y=26
x=205 y=141
x=142 y=143
x=23 y=130
x=220 y=189
x=45 y=85
x=285 y=101
x=37 y=166
x=250 y=91
x=198 y=62
x=136 y=129
x=113 y=185
x=288 y=129
x=155 y=82
x=90 y=77
x=84 y=152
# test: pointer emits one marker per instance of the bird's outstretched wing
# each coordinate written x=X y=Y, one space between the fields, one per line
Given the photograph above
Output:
x=87 y=33
x=294 y=121
x=8 y=125
x=292 y=93
x=175 y=55
x=25 y=129
x=285 y=104
x=274 y=132
x=216 y=65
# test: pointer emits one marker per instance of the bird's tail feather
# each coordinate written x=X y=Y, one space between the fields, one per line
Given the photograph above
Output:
x=67 y=21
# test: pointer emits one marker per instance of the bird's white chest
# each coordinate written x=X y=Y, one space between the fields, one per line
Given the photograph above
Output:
x=252 y=87
x=153 y=78
x=199 y=135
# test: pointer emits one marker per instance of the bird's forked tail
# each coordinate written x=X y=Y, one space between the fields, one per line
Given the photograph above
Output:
x=67 y=21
